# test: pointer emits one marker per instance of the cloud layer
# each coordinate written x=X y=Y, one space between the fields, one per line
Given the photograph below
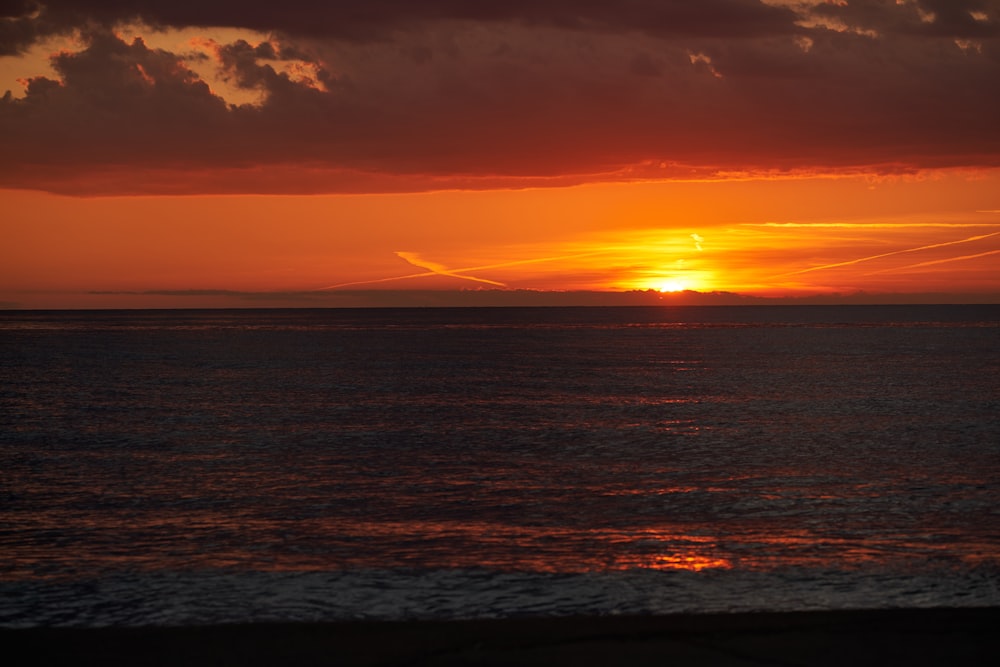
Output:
x=395 y=95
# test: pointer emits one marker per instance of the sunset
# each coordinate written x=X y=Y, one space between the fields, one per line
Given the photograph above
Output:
x=512 y=332
x=176 y=154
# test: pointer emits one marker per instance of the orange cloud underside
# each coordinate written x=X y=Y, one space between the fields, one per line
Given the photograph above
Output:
x=939 y=233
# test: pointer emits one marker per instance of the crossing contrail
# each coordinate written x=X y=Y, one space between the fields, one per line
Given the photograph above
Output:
x=442 y=270
x=439 y=269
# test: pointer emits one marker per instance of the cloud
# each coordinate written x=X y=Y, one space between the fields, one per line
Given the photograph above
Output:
x=395 y=95
x=376 y=20
x=939 y=18
x=24 y=21
x=498 y=297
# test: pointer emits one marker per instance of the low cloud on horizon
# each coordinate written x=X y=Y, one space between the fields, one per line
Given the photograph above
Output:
x=447 y=298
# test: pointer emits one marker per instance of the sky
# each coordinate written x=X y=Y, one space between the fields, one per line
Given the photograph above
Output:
x=168 y=153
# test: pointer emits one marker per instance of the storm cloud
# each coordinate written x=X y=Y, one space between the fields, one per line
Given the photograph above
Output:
x=394 y=95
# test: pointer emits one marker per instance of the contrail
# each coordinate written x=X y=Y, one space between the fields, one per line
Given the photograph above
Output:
x=455 y=272
x=537 y=260
x=871 y=225
x=935 y=261
x=377 y=280
x=442 y=270
x=887 y=254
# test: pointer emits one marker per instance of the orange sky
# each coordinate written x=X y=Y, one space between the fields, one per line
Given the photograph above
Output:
x=236 y=155
x=939 y=233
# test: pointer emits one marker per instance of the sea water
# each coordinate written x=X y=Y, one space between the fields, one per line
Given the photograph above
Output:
x=179 y=467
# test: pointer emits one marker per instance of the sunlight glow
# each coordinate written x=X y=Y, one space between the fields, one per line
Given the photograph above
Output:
x=773 y=239
x=670 y=285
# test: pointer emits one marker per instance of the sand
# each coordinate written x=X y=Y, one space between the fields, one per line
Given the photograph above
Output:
x=855 y=638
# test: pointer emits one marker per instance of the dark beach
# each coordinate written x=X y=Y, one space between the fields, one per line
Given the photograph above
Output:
x=880 y=637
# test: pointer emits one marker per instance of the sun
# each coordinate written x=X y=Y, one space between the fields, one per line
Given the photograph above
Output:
x=672 y=281
x=670 y=285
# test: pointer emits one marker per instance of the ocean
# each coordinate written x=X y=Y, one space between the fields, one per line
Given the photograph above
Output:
x=222 y=466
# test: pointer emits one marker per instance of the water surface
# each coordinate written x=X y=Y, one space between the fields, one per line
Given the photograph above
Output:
x=218 y=466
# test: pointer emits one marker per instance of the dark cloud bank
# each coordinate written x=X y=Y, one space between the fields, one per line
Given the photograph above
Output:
x=396 y=95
